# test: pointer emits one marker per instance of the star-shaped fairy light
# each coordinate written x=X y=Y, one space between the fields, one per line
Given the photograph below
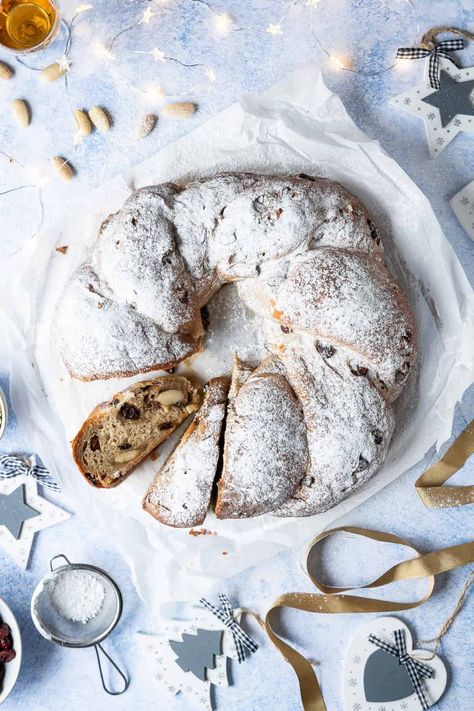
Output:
x=446 y=111
x=34 y=511
x=63 y=63
x=158 y=54
x=147 y=15
x=274 y=29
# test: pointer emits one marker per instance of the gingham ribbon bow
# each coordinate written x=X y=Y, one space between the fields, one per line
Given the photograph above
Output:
x=224 y=614
x=439 y=50
x=13 y=464
x=416 y=670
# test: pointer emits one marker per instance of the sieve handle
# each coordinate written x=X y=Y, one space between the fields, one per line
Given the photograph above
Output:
x=126 y=681
x=61 y=555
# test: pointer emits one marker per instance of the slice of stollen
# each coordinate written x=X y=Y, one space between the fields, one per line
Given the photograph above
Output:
x=265 y=450
x=180 y=493
x=120 y=433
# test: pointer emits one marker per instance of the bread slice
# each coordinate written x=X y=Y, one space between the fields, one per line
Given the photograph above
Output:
x=120 y=433
x=180 y=493
x=265 y=451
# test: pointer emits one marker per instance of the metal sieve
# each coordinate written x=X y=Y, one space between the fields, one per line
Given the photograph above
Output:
x=56 y=628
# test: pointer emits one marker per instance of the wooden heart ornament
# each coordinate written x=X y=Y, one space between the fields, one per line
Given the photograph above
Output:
x=374 y=678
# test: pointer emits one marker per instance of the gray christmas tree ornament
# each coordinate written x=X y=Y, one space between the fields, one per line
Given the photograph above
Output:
x=197 y=652
x=14 y=511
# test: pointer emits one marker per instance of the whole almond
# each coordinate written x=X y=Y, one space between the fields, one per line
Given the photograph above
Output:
x=181 y=109
x=62 y=167
x=170 y=397
x=53 y=72
x=84 y=125
x=99 y=118
x=127 y=456
x=6 y=72
x=146 y=125
x=21 y=112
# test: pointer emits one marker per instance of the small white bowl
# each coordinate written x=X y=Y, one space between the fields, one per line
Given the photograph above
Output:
x=3 y=413
x=12 y=669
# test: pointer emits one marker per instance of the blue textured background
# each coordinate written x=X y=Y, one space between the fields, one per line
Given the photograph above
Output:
x=249 y=59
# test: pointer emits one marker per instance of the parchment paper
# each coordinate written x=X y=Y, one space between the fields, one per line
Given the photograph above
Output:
x=297 y=126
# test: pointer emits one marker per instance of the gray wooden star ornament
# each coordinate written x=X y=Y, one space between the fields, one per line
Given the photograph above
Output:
x=452 y=98
x=446 y=111
x=14 y=511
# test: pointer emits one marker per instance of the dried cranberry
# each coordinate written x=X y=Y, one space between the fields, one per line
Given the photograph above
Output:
x=378 y=436
x=5 y=643
x=4 y=631
x=373 y=231
x=205 y=317
x=285 y=329
x=182 y=295
x=363 y=464
x=325 y=350
x=166 y=426
x=401 y=375
x=7 y=655
x=359 y=370
x=130 y=412
x=94 y=443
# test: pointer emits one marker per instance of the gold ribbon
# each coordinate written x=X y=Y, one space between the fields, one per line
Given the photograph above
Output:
x=430 y=484
x=330 y=602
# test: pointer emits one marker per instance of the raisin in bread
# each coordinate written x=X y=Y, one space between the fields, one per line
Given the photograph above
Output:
x=120 y=433
x=180 y=493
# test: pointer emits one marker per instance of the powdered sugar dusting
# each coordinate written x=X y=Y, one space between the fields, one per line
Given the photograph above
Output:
x=180 y=493
x=265 y=453
x=309 y=263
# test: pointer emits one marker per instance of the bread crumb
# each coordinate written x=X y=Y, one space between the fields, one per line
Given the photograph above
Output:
x=62 y=249
x=225 y=552
x=202 y=532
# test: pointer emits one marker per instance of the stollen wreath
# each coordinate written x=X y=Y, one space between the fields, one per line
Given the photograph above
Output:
x=334 y=600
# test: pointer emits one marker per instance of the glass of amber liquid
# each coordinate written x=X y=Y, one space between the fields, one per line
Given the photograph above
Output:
x=28 y=25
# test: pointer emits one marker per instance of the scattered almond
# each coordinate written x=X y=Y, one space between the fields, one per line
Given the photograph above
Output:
x=127 y=456
x=53 y=72
x=192 y=407
x=21 y=112
x=63 y=249
x=170 y=397
x=99 y=118
x=146 y=125
x=84 y=125
x=62 y=167
x=6 y=72
x=181 y=109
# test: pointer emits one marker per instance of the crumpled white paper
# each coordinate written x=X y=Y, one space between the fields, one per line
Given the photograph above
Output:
x=297 y=126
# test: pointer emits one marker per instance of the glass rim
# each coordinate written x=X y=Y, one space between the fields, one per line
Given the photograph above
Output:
x=52 y=34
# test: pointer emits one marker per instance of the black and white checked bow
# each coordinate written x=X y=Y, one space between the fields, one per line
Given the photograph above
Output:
x=13 y=464
x=224 y=614
x=439 y=50
x=416 y=670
